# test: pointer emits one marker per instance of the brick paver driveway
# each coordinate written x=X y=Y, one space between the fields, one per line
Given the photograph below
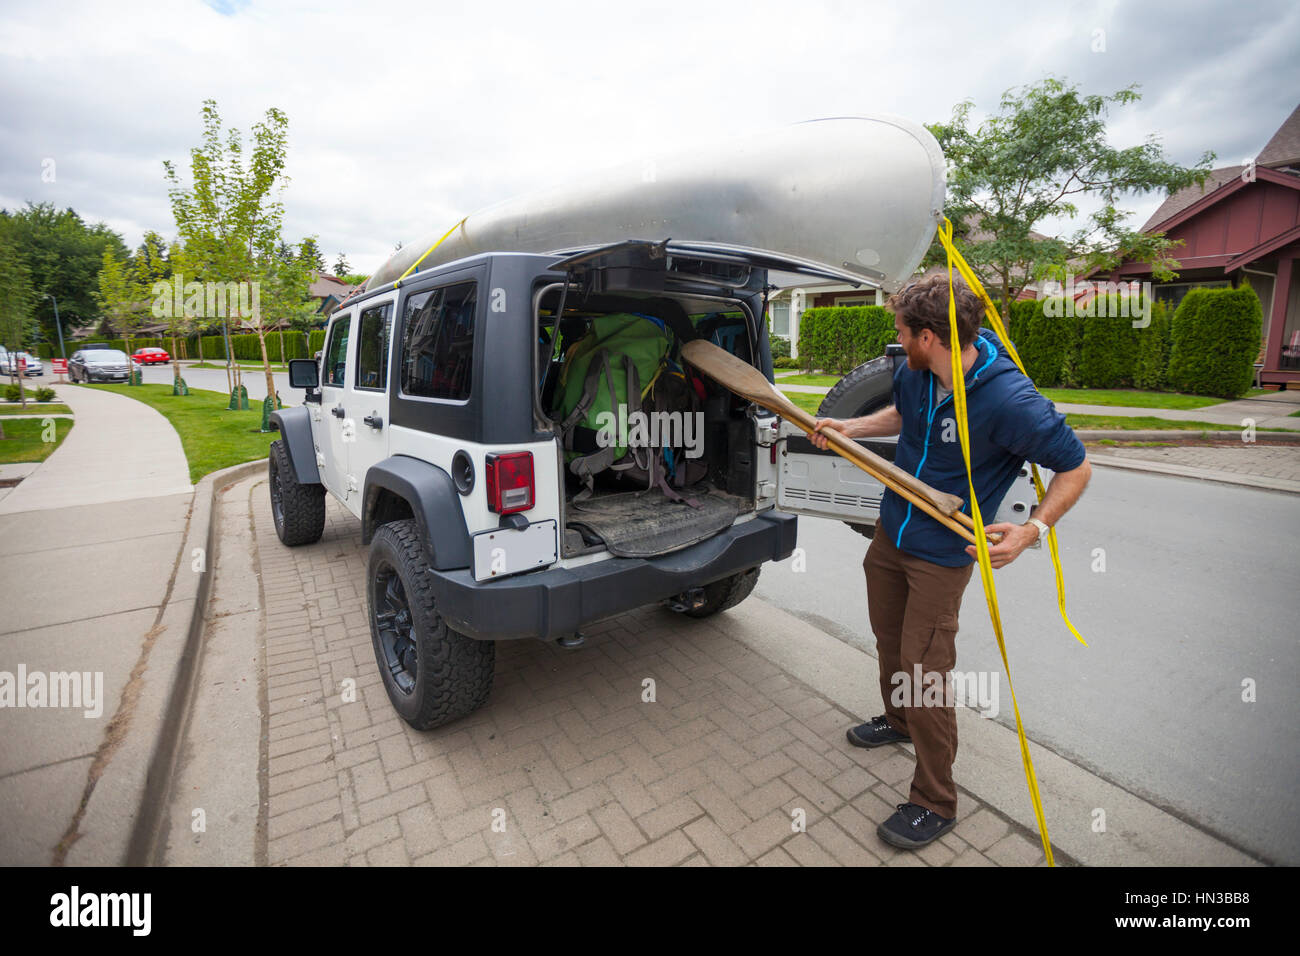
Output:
x=566 y=763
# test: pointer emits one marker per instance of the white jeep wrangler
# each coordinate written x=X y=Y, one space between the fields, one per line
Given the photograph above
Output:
x=428 y=418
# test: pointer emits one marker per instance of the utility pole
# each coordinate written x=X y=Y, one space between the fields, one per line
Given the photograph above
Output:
x=58 y=325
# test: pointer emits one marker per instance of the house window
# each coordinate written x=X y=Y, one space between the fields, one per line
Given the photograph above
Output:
x=372 y=348
x=1172 y=293
x=850 y=303
x=781 y=319
x=438 y=342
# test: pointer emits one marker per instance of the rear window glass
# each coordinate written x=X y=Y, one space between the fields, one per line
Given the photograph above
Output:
x=438 y=342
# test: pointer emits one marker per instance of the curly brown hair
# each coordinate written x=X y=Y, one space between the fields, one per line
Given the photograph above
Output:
x=923 y=304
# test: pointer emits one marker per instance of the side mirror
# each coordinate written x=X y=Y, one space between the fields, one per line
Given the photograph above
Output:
x=303 y=373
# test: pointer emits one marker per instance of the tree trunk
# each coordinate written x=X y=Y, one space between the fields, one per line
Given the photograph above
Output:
x=1006 y=295
x=266 y=365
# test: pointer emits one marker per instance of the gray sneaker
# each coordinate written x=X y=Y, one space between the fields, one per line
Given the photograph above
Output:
x=875 y=733
x=913 y=826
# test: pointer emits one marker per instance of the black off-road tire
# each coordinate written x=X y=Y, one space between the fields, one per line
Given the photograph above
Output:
x=866 y=389
x=297 y=510
x=727 y=593
x=449 y=674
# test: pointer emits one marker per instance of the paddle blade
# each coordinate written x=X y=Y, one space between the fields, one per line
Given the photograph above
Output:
x=729 y=371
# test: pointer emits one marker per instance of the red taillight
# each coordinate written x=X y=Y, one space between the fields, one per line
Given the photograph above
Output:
x=510 y=482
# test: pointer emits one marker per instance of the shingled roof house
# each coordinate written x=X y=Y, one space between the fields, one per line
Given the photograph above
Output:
x=1243 y=225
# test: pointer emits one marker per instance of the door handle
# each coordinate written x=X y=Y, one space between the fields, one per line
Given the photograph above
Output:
x=374 y=421
x=337 y=411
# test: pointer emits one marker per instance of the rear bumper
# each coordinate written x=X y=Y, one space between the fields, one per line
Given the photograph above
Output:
x=548 y=604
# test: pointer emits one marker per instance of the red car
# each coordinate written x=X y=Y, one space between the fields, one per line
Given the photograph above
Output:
x=150 y=356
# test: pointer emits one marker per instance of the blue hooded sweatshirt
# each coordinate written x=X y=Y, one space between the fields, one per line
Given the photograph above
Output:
x=1010 y=422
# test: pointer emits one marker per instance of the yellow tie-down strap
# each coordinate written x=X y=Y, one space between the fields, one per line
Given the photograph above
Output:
x=981 y=541
x=415 y=265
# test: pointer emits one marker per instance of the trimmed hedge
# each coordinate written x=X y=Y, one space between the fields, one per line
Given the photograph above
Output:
x=1151 y=363
x=839 y=338
x=779 y=346
x=1214 y=342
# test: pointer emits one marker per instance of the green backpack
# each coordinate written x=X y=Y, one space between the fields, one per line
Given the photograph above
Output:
x=614 y=365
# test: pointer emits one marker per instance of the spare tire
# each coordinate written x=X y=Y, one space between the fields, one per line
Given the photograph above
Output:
x=866 y=389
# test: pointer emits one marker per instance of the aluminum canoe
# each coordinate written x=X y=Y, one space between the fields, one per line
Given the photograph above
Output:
x=858 y=197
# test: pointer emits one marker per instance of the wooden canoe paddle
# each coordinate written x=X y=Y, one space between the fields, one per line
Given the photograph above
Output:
x=748 y=382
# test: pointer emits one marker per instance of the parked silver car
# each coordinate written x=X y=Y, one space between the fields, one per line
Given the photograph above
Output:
x=99 y=365
x=28 y=364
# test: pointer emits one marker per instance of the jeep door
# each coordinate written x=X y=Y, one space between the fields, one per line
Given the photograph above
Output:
x=365 y=398
x=336 y=433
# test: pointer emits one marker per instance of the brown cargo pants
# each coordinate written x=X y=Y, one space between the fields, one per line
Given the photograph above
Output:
x=913 y=606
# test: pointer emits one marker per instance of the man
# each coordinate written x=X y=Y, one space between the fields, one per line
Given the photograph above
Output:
x=916 y=568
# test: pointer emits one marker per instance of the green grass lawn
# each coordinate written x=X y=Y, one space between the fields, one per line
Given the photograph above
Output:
x=1111 y=443
x=808 y=401
x=1129 y=398
x=23 y=440
x=802 y=379
x=1148 y=422
x=35 y=408
x=213 y=437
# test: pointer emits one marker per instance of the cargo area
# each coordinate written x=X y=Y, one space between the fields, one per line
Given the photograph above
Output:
x=707 y=477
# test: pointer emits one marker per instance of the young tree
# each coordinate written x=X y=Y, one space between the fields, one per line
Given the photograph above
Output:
x=229 y=217
x=341 y=267
x=17 y=299
x=1032 y=161
x=122 y=296
x=155 y=263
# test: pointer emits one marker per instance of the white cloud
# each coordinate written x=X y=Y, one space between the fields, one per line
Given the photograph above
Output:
x=406 y=116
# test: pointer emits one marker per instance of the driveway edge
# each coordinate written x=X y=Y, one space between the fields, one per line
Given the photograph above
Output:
x=147 y=759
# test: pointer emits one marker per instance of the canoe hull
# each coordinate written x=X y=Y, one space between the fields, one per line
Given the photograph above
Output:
x=860 y=196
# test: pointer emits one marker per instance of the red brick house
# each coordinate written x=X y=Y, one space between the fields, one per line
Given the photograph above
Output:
x=1243 y=225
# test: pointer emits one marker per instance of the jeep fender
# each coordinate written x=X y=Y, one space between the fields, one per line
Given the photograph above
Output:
x=434 y=504
x=294 y=426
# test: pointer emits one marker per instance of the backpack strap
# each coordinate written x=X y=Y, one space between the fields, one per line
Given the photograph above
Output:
x=587 y=466
x=599 y=363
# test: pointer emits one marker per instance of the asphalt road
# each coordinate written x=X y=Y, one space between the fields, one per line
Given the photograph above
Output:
x=214 y=379
x=1198 y=595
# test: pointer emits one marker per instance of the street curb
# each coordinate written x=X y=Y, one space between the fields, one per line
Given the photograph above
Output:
x=176 y=661
x=988 y=766
x=1283 y=485
x=1183 y=435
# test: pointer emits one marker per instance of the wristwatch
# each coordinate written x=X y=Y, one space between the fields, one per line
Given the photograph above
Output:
x=1042 y=528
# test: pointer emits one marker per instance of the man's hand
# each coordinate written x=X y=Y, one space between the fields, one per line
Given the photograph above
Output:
x=820 y=440
x=1015 y=538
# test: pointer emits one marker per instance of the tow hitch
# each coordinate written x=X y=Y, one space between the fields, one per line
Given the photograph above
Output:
x=691 y=600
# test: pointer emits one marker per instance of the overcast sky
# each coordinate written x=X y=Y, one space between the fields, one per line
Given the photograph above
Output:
x=406 y=116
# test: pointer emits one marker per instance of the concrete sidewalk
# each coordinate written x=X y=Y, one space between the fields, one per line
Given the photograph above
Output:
x=97 y=531
x=120 y=450
x=1271 y=411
